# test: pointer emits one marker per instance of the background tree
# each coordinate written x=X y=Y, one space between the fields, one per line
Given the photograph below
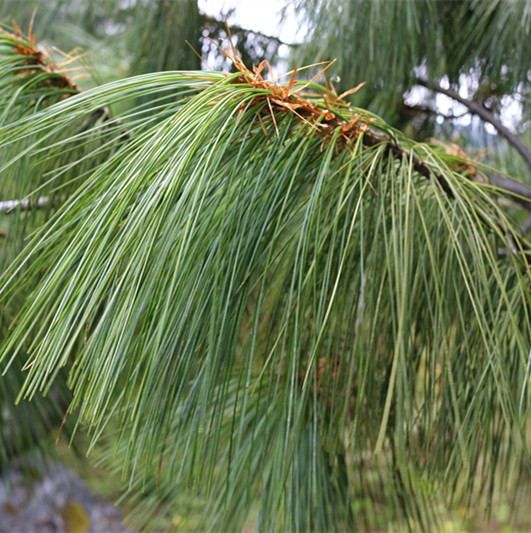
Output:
x=259 y=292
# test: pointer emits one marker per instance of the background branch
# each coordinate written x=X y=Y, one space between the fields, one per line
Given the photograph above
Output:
x=25 y=205
x=483 y=113
x=516 y=191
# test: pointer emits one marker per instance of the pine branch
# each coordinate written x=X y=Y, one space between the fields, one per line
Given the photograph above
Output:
x=483 y=113
x=25 y=205
x=370 y=138
x=516 y=191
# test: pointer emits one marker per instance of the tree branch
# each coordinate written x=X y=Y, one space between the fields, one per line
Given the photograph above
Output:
x=483 y=113
x=371 y=138
x=516 y=191
x=25 y=205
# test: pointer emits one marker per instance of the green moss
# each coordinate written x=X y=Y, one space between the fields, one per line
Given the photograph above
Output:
x=75 y=517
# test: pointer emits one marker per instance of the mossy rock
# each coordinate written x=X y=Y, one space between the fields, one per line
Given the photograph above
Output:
x=75 y=518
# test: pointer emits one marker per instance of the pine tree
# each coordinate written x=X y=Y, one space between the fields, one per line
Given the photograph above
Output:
x=253 y=289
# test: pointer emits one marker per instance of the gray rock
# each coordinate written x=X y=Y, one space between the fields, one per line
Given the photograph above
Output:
x=57 y=502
